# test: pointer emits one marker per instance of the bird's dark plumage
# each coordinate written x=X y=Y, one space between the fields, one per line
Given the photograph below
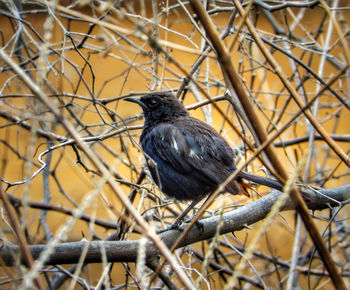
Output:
x=187 y=158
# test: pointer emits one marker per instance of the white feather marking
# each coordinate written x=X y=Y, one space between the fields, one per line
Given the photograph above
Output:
x=175 y=145
x=194 y=154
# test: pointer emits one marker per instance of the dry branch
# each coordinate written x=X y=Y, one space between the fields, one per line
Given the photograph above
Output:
x=232 y=221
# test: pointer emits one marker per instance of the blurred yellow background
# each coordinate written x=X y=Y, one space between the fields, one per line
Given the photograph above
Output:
x=119 y=67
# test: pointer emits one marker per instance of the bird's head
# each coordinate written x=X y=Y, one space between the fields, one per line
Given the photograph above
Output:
x=159 y=107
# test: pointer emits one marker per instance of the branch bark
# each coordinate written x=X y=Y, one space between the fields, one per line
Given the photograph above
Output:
x=233 y=220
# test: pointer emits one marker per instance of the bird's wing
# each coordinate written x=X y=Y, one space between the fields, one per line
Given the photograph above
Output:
x=193 y=148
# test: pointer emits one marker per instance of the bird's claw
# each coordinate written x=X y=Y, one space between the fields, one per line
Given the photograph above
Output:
x=177 y=225
x=173 y=226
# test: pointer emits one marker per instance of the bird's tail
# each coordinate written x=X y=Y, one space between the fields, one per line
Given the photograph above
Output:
x=261 y=180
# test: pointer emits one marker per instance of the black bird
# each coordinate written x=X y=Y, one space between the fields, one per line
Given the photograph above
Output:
x=186 y=157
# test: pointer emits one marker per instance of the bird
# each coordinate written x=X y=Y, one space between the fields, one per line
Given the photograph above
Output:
x=186 y=157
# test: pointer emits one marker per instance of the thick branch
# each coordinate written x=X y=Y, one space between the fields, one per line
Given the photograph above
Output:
x=233 y=220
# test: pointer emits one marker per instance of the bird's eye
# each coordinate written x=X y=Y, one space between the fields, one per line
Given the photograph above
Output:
x=152 y=103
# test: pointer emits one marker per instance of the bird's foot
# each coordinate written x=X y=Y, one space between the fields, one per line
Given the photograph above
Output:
x=177 y=224
x=199 y=224
x=173 y=226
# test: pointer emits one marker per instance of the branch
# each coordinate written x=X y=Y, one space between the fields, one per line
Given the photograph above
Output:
x=16 y=202
x=339 y=138
x=233 y=220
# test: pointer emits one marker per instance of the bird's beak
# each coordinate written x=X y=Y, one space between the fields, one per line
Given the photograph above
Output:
x=135 y=100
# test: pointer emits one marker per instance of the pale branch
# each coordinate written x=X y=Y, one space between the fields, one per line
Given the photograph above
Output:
x=233 y=220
